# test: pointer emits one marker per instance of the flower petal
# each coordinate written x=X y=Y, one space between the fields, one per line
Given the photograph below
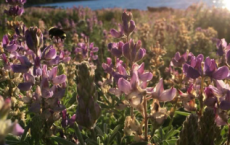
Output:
x=59 y=79
x=225 y=105
x=140 y=54
x=126 y=51
x=146 y=76
x=192 y=73
x=221 y=73
x=159 y=88
x=25 y=86
x=17 y=130
x=17 y=68
x=116 y=52
x=124 y=86
x=168 y=95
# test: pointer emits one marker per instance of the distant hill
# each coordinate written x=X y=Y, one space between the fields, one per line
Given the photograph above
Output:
x=32 y=2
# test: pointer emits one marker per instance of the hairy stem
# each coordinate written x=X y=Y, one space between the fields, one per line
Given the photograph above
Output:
x=146 y=119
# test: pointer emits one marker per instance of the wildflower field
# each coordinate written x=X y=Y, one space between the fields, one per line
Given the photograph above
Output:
x=114 y=76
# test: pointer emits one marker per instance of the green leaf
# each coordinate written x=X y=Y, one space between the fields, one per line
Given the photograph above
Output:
x=91 y=142
x=140 y=143
x=182 y=113
x=78 y=133
x=99 y=131
x=61 y=141
x=115 y=131
x=105 y=130
x=25 y=132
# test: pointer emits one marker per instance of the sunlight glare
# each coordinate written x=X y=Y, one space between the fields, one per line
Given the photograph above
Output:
x=226 y=4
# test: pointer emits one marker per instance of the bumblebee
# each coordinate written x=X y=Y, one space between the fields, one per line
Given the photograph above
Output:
x=57 y=33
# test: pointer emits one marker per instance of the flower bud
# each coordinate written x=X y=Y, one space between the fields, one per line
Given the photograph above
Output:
x=34 y=39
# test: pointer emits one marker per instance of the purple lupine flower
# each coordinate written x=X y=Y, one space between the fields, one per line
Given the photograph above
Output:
x=117 y=34
x=10 y=46
x=93 y=50
x=34 y=39
x=29 y=81
x=37 y=71
x=136 y=87
x=15 y=11
x=221 y=45
x=194 y=69
x=87 y=52
x=188 y=98
x=108 y=65
x=23 y=67
x=163 y=95
x=82 y=49
x=178 y=59
x=211 y=70
x=65 y=56
x=133 y=51
x=49 y=53
x=16 y=2
x=119 y=72
x=128 y=24
x=66 y=120
x=116 y=48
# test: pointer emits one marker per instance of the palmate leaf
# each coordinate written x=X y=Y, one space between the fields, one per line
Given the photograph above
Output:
x=61 y=141
x=140 y=143
x=114 y=133
x=91 y=142
x=182 y=113
x=12 y=140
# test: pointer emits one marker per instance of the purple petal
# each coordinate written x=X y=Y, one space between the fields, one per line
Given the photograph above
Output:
x=185 y=68
x=116 y=34
x=228 y=57
x=50 y=54
x=225 y=105
x=59 y=79
x=140 y=54
x=25 y=86
x=53 y=61
x=146 y=76
x=134 y=80
x=24 y=60
x=141 y=68
x=192 y=73
x=124 y=86
x=109 y=61
x=5 y=40
x=17 y=68
x=168 y=95
x=221 y=73
x=17 y=130
x=95 y=49
x=116 y=52
x=12 y=47
x=47 y=93
x=159 y=88
x=219 y=121
x=132 y=26
x=53 y=72
x=126 y=51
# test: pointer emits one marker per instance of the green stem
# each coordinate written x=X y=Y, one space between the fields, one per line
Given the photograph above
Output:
x=201 y=95
x=131 y=112
x=146 y=119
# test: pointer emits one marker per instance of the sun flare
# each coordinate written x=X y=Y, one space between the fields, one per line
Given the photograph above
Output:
x=226 y=4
